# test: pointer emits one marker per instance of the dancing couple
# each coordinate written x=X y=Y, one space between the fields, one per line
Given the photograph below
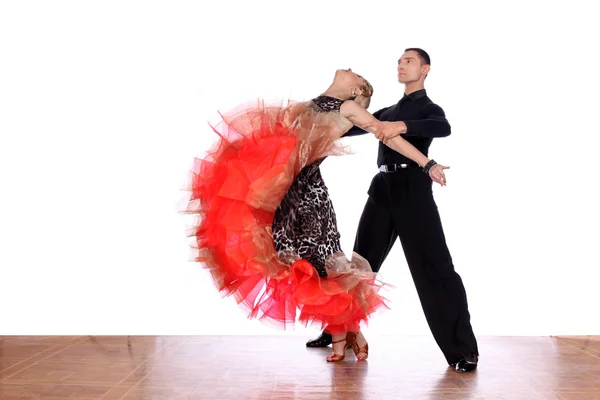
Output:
x=267 y=229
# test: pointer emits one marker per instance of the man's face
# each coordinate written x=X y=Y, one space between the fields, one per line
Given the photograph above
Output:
x=410 y=68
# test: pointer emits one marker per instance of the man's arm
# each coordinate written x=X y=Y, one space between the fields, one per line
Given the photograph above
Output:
x=357 y=130
x=362 y=118
x=433 y=125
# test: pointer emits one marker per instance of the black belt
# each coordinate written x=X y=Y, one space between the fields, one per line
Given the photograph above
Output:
x=395 y=167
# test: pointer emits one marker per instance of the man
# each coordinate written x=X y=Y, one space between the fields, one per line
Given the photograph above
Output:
x=401 y=205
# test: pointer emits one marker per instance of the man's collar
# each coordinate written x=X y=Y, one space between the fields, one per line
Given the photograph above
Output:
x=416 y=94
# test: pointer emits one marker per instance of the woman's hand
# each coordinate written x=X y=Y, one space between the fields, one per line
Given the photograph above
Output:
x=436 y=173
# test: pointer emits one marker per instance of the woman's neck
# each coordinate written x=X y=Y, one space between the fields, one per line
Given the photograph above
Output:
x=333 y=91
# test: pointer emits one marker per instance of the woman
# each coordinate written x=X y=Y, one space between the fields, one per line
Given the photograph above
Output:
x=269 y=234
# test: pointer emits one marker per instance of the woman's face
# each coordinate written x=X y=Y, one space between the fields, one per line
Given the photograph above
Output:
x=348 y=79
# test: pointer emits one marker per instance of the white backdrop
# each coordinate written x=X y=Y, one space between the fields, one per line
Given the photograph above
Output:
x=103 y=106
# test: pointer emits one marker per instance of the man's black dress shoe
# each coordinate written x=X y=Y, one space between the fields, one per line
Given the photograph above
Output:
x=322 y=341
x=467 y=363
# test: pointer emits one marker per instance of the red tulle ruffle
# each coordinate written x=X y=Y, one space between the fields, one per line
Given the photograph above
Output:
x=235 y=190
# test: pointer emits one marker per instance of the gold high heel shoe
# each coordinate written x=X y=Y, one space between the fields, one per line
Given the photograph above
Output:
x=362 y=353
x=349 y=339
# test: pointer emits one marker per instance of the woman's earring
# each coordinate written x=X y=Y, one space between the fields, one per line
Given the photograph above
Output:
x=353 y=92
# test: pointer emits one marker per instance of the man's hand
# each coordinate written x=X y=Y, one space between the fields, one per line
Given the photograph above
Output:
x=436 y=173
x=385 y=130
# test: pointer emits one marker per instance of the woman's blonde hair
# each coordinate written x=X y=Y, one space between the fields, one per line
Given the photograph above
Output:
x=364 y=98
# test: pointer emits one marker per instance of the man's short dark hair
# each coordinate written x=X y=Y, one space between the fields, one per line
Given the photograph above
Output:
x=422 y=55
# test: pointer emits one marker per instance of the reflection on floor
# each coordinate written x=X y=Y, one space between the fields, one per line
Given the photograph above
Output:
x=280 y=367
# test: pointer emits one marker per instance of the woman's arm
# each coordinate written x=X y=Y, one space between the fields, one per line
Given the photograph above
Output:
x=391 y=131
x=362 y=118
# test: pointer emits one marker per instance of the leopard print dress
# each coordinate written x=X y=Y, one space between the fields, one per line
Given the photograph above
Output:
x=305 y=223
